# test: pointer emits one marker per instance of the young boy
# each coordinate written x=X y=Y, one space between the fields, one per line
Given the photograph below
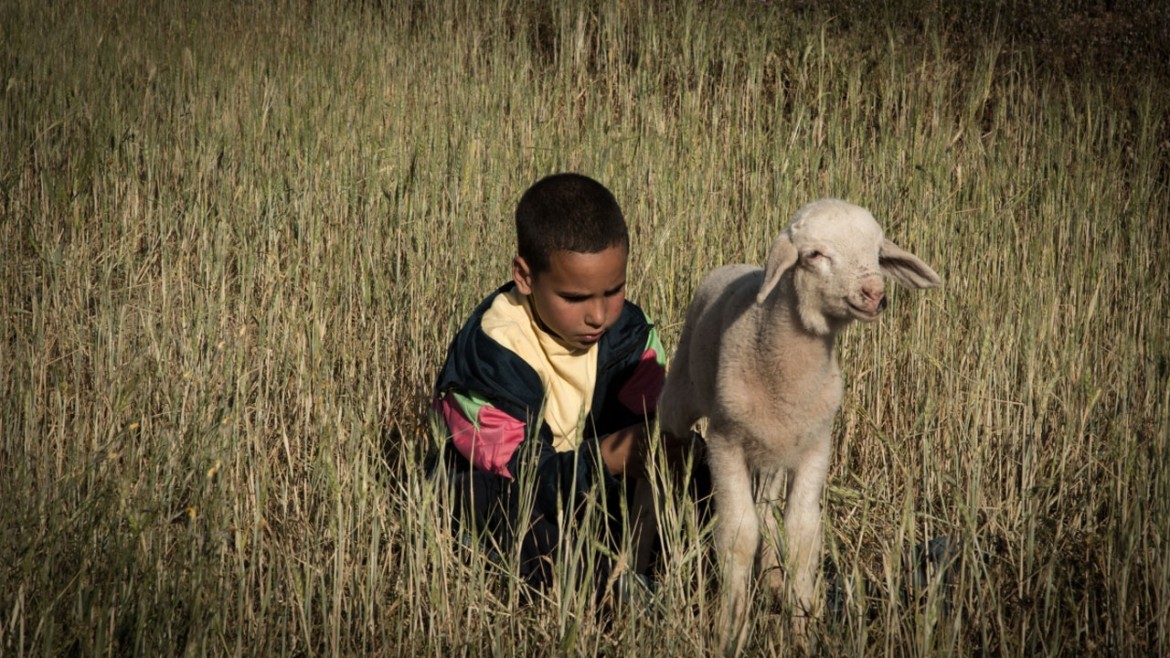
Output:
x=555 y=373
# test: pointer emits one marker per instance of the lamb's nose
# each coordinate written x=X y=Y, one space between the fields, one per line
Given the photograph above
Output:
x=875 y=296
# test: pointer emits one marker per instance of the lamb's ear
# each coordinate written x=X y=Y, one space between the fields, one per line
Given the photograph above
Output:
x=905 y=268
x=781 y=256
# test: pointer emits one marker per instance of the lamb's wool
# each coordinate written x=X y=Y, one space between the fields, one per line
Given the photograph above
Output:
x=756 y=358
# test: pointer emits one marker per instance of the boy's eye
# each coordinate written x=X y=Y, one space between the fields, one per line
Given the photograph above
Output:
x=577 y=299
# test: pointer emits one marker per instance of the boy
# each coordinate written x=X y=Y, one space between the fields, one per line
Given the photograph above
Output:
x=554 y=372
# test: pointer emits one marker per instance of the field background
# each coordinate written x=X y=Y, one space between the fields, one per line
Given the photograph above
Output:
x=235 y=238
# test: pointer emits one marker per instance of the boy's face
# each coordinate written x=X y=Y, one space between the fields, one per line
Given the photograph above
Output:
x=579 y=296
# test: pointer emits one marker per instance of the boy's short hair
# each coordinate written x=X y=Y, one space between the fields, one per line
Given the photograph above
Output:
x=567 y=212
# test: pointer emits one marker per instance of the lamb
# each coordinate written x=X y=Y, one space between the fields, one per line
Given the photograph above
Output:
x=756 y=358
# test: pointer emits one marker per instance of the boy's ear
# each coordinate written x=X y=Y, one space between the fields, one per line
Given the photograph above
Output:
x=522 y=275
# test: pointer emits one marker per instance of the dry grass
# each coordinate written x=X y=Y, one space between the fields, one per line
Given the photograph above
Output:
x=235 y=239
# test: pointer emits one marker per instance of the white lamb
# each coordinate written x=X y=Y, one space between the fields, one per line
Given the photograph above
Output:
x=756 y=358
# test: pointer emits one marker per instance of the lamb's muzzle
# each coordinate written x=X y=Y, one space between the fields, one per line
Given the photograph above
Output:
x=873 y=300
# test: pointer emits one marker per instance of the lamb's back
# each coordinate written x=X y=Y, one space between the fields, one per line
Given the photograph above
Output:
x=716 y=325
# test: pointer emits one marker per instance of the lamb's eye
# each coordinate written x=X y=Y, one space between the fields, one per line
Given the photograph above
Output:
x=814 y=256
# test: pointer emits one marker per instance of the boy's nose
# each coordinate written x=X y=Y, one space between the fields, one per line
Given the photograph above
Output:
x=595 y=313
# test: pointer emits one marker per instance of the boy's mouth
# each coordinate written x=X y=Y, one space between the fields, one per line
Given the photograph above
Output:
x=589 y=339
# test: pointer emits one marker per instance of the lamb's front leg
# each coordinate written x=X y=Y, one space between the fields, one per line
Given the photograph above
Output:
x=768 y=490
x=802 y=523
x=737 y=535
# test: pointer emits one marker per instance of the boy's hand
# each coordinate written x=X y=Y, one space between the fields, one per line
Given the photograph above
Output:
x=624 y=451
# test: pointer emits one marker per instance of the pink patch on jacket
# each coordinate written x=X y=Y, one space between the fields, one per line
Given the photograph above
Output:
x=640 y=392
x=490 y=447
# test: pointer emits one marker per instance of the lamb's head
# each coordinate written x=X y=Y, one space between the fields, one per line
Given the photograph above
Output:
x=837 y=255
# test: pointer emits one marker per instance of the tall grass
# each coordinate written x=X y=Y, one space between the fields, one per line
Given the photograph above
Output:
x=235 y=239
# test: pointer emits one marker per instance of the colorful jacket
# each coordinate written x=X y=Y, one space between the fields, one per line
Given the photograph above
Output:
x=489 y=400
